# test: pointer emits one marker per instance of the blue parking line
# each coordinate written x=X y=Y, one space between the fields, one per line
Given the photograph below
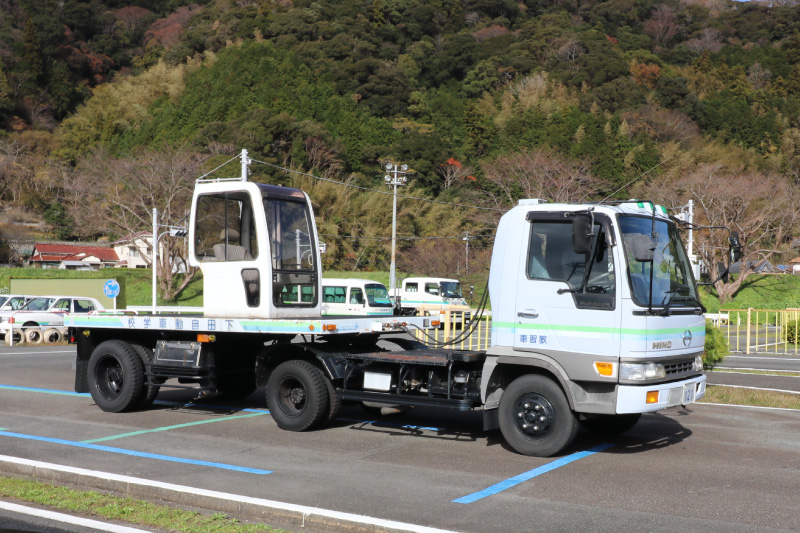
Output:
x=44 y=391
x=134 y=453
x=516 y=480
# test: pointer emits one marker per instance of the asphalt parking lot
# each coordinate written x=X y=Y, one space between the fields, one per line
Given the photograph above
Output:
x=707 y=467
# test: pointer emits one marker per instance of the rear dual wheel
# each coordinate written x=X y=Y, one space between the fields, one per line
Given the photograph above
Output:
x=116 y=376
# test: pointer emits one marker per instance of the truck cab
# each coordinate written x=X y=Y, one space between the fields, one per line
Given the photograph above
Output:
x=603 y=298
x=355 y=297
x=256 y=246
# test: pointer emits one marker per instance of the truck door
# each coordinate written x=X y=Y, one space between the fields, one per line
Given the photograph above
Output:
x=561 y=308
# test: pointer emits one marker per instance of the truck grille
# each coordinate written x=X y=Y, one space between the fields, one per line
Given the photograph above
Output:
x=679 y=367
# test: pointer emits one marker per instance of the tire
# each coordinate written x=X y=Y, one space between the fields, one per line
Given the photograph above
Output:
x=116 y=376
x=535 y=417
x=52 y=335
x=64 y=334
x=149 y=392
x=33 y=334
x=609 y=424
x=297 y=396
x=15 y=335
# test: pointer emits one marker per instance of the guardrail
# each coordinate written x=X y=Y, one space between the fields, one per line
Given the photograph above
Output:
x=760 y=330
x=454 y=325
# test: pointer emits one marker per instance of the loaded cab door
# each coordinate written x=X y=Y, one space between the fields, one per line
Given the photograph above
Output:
x=567 y=300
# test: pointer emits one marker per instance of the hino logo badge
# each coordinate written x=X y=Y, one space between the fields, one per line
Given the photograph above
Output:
x=687 y=338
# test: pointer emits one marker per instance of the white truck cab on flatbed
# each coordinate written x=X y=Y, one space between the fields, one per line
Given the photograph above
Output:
x=595 y=320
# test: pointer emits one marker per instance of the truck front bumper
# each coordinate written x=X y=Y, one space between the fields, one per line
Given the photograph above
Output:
x=649 y=398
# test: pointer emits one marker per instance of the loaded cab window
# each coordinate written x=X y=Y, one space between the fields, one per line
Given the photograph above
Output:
x=294 y=252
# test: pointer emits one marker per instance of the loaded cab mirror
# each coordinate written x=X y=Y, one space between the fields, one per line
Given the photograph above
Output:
x=735 y=247
x=582 y=235
x=642 y=247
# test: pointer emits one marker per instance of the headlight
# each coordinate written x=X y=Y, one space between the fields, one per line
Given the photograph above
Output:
x=641 y=371
x=698 y=363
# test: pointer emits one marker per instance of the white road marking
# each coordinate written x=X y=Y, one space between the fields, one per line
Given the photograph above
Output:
x=302 y=510
x=68 y=519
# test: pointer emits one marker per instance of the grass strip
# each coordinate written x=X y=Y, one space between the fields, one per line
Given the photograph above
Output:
x=97 y=505
x=754 y=397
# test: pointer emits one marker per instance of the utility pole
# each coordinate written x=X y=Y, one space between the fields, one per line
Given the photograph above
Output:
x=395 y=176
x=466 y=241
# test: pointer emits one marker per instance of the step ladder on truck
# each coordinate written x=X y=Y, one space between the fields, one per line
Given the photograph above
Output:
x=595 y=320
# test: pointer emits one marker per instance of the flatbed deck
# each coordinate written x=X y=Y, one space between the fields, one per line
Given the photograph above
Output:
x=206 y=324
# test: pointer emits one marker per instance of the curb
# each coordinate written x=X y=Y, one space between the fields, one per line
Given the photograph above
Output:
x=290 y=515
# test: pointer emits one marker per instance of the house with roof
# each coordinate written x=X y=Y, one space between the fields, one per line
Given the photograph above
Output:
x=134 y=250
x=73 y=256
x=794 y=265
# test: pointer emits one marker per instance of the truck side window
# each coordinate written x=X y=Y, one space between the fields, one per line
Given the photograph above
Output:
x=432 y=288
x=411 y=287
x=551 y=257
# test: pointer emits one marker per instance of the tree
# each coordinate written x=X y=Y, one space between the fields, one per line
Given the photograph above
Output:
x=538 y=173
x=763 y=208
x=117 y=196
x=452 y=171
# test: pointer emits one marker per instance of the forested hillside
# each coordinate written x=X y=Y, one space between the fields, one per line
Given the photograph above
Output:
x=487 y=101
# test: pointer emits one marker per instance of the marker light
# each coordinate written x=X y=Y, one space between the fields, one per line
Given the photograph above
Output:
x=329 y=327
x=652 y=396
x=205 y=337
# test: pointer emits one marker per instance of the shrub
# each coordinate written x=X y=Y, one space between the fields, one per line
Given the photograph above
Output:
x=716 y=346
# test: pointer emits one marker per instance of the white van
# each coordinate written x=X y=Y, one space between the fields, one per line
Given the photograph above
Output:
x=356 y=297
x=415 y=292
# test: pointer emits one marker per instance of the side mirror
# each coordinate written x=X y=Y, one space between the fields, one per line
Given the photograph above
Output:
x=581 y=235
x=642 y=247
x=736 y=247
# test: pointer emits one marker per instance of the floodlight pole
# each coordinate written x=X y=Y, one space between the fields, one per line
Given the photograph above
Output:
x=395 y=176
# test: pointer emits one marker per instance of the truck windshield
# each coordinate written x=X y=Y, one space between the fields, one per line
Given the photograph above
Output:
x=377 y=296
x=451 y=289
x=673 y=283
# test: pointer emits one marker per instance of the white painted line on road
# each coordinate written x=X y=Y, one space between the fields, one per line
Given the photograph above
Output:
x=747 y=406
x=763 y=372
x=758 y=358
x=305 y=511
x=28 y=353
x=68 y=519
x=753 y=388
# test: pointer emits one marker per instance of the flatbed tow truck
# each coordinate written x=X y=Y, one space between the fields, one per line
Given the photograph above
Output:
x=595 y=320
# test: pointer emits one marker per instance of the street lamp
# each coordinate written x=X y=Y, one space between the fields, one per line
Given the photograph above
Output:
x=395 y=176
x=173 y=231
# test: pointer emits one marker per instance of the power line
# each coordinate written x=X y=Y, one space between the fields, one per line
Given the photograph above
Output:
x=375 y=190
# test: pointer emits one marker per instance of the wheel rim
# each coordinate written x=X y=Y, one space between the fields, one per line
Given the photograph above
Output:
x=110 y=377
x=292 y=396
x=534 y=415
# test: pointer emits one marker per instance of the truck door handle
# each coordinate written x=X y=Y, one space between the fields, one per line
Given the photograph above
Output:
x=528 y=313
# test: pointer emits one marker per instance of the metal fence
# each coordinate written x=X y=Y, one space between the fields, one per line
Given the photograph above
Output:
x=760 y=330
x=456 y=328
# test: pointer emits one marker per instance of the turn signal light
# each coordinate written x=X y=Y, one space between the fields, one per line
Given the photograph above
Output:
x=311 y=327
x=329 y=327
x=604 y=369
x=204 y=337
x=652 y=396
x=436 y=323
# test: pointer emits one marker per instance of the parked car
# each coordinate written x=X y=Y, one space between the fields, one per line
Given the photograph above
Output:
x=13 y=302
x=42 y=318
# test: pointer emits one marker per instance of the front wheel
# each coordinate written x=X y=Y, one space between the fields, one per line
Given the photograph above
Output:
x=297 y=396
x=535 y=417
x=116 y=376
